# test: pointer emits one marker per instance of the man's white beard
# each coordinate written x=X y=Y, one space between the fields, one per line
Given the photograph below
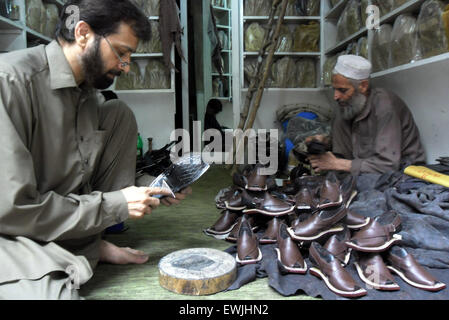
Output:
x=354 y=107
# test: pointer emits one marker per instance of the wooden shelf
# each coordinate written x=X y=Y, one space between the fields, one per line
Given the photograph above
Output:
x=408 y=66
x=408 y=7
x=289 y=89
x=336 y=11
x=36 y=35
x=287 y=19
x=343 y=44
x=147 y=55
x=8 y=24
x=280 y=54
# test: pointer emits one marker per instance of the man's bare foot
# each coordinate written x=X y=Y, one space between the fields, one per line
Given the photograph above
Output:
x=110 y=253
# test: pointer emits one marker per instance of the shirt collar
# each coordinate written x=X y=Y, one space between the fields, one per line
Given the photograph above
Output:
x=61 y=74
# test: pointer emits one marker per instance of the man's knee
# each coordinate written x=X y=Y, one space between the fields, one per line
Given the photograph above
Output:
x=116 y=113
x=53 y=286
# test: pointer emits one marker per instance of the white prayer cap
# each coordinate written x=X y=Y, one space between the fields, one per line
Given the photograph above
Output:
x=353 y=67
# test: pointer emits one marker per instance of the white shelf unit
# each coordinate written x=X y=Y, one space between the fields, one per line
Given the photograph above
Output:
x=16 y=35
x=333 y=47
x=288 y=20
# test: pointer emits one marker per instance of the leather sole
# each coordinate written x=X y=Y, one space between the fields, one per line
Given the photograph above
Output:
x=268 y=213
x=252 y=261
x=219 y=233
x=334 y=229
x=331 y=204
x=267 y=241
x=395 y=238
x=256 y=188
x=349 y=294
x=359 y=226
x=234 y=208
x=437 y=287
x=289 y=269
x=391 y=287
x=353 y=194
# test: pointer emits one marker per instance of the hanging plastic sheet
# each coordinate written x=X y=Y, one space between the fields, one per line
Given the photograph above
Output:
x=433 y=28
x=224 y=40
x=131 y=80
x=257 y=7
x=284 y=73
x=52 y=14
x=307 y=38
x=363 y=10
x=381 y=47
x=362 y=47
x=306 y=71
x=254 y=36
x=404 y=41
x=157 y=76
x=285 y=40
x=350 y=21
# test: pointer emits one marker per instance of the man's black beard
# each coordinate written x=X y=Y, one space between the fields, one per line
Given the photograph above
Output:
x=353 y=107
x=93 y=68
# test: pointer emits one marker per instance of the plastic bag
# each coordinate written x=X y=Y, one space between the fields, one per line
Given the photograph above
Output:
x=350 y=21
x=404 y=41
x=307 y=38
x=306 y=70
x=34 y=14
x=381 y=46
x=284 y=73
x=157 y=76
x=285 y=40
x=351 y=48
x=224 y=40
x=250 y=71
x=432 y=34
x=334 y=2
x=362 y=47
x=257 y=7
x=313 y=7
x=254 y=36
x=328 y=68
x=52 y=14
x=398 y=3
x=131 y=80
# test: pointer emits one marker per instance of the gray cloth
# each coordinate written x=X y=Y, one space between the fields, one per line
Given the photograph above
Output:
x=64 y=156
x=381 y=138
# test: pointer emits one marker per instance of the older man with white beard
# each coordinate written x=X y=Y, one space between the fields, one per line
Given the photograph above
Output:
x=373 y=130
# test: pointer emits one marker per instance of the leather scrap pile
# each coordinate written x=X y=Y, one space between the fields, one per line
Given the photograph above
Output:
x=307 y=227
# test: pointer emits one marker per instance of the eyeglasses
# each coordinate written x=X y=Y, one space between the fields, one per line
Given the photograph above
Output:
x=123 y=64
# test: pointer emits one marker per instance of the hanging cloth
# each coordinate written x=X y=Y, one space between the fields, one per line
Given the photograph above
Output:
x=170 y=30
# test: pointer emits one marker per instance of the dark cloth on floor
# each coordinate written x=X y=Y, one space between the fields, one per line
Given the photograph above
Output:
x=424 y=212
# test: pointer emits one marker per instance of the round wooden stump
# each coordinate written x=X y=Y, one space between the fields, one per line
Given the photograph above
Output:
x=197 y=271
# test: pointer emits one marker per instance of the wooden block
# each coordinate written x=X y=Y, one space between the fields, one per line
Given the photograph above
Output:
x=197 y=272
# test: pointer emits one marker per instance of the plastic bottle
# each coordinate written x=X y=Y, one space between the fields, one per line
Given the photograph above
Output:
x=139 y=147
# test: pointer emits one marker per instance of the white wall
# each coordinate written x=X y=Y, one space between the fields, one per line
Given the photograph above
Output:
x=425 y=89
x=155 y=115
x=272 y=100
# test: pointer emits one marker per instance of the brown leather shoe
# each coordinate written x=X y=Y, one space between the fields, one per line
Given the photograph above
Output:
x=256 y=181
x=404 y=265
x=329 y=269
x=378 y=235
x=234 y=234
x=289 y=257
x=373 y=271
x=224 y=224
x=304 y=200
x=239 y=200
x=220 y=202
x=336 y=245
x=329 y=192
x=355 y=221
x=270 y=234
x=348 y=189
x=268 y=205
x=248 y=251
x=319 y=224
